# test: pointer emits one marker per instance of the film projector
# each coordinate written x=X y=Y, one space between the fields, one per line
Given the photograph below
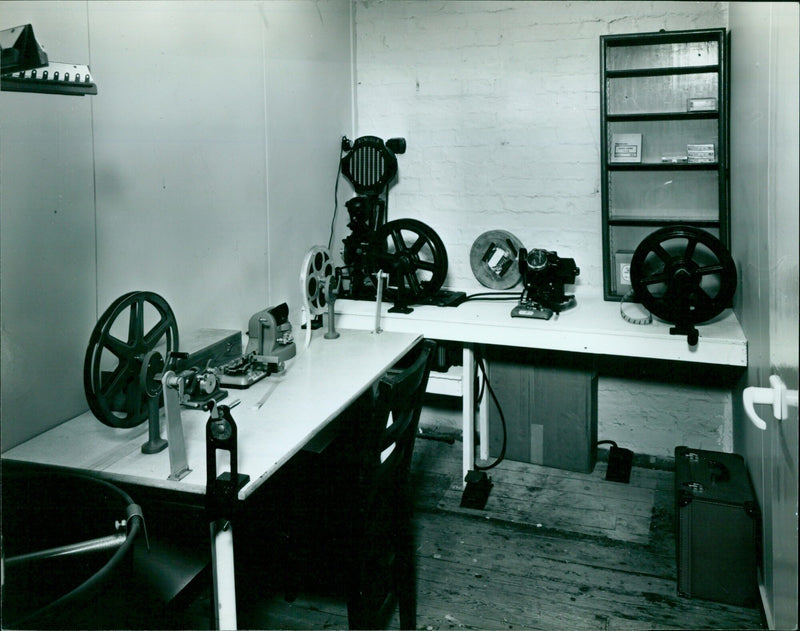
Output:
x=544 y=275
x=133 y=361
x=683 y=275
x=408 y=250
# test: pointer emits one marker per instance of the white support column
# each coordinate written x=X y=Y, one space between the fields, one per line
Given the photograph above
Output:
x=222 y=569
x=468 y=420
x=483 y=417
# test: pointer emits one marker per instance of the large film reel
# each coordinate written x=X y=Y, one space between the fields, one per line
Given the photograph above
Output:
x=683 y=275
x=118 y=361
x=414 y=257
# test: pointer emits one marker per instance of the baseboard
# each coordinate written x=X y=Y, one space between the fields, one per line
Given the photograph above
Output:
x=765 y=610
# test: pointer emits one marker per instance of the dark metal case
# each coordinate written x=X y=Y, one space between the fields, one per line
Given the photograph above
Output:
x=718 y=527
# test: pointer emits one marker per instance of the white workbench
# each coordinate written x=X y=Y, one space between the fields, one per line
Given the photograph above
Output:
x=320 y=383
x=593 y=326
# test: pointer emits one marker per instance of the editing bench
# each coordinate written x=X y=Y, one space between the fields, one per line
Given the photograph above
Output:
x=593 y=326
x=277 y=417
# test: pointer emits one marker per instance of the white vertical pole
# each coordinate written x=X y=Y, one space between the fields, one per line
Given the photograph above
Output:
x=483 y=417
x=222 y=569
x=468 y=413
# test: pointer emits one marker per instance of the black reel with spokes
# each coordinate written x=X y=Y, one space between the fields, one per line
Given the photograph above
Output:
x=117 y=369
x=683 y=275
x=415 y=258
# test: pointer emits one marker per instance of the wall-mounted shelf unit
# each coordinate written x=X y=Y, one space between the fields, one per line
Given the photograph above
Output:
x=664 y=130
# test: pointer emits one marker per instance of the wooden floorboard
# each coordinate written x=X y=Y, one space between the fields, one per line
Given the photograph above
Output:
x=552 y=550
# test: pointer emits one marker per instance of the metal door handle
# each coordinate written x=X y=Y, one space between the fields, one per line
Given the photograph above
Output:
x=776 y=395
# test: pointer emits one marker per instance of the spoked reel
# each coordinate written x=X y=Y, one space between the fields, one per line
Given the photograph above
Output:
x=683 y=275
x=122 y=357
x=319 y=285
x=414 y=257
x=317 y=268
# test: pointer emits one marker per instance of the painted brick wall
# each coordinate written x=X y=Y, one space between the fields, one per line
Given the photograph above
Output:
x=499 y=104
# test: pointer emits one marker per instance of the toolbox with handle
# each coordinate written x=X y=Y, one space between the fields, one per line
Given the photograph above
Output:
x=718 y=527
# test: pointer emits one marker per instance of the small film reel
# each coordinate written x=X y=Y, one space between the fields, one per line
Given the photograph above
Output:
x=315 y=277
x=317 y=268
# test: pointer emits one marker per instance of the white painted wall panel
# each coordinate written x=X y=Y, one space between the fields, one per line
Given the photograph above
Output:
x=308 y=82
x=764 y=187
x=47 y=245
x=180 y=153
x=202 y=170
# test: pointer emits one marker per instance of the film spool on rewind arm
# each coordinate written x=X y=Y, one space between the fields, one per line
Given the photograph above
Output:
x=415 y=258
x=124 y=372
x=683 y=275
x=116 y=367
x=317 y=268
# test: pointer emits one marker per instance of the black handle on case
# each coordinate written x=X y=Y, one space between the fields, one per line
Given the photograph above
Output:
x=718 y=471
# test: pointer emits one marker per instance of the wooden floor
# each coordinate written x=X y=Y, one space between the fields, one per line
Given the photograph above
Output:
x=552 y=550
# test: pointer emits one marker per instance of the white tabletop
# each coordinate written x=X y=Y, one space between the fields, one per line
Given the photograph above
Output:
x=592 y=326
x=317 y=385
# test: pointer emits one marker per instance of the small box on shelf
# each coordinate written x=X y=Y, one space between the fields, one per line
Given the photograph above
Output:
x=626 y=148
x=700 y=153
x=674 y=159
x=706 y=104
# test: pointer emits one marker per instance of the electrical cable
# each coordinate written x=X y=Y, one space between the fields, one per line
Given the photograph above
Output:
x=492 y=295
x=335 y=199
x=502 y=455
x=606 y=442
x=478 y=393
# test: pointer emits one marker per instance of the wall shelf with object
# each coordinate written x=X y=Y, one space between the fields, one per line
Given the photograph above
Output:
x=664 y=129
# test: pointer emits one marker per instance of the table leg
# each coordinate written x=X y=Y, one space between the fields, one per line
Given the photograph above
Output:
x=222 y=569
x=483 y=418
x=468 y=411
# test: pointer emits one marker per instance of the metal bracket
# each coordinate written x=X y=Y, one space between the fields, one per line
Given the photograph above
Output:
x=222 y=490
x=173 y=395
